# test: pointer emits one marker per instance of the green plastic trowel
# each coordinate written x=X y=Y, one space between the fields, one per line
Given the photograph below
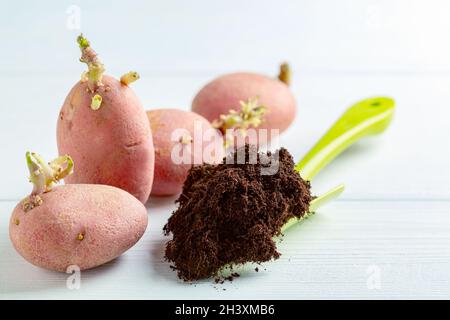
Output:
x=367 y=117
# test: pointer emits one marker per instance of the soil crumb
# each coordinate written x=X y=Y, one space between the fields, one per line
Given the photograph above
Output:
x=229 y=213
x=222 y=279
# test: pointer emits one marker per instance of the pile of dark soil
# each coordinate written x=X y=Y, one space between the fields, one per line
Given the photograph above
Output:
x=228 y=214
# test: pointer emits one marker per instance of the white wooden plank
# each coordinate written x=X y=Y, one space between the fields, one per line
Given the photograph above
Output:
x=221 y=35
x=391 y=223
x=338 y=253
x=407 y=162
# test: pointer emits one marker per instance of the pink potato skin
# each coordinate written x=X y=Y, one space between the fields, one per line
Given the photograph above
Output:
x=112 y=145
x=110 y=219
x=169 y=176
x=224 y=93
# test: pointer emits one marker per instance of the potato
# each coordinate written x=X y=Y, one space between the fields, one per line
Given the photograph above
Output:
x=76 y=224
x=221 y=95
x=103 y=126
x=174 y=136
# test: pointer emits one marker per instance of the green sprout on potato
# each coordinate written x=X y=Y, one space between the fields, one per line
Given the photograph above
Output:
x=93 y=76
x=96 y=102
x=44 y=176
x=129 y=77
x=95 y=66
x=285 y=74
x=251 y=115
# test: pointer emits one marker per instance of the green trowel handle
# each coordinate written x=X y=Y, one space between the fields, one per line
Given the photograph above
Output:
x=367 y=117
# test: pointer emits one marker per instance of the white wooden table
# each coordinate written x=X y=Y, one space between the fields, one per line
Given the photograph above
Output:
x=388 y=236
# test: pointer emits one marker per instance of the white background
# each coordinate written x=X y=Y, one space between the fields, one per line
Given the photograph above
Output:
x=388 y=236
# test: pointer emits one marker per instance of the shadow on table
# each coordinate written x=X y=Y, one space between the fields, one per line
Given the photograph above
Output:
x=162 y=268
x=161 y=202
x=158 y=263
x=25 y=277
x=358 y=152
